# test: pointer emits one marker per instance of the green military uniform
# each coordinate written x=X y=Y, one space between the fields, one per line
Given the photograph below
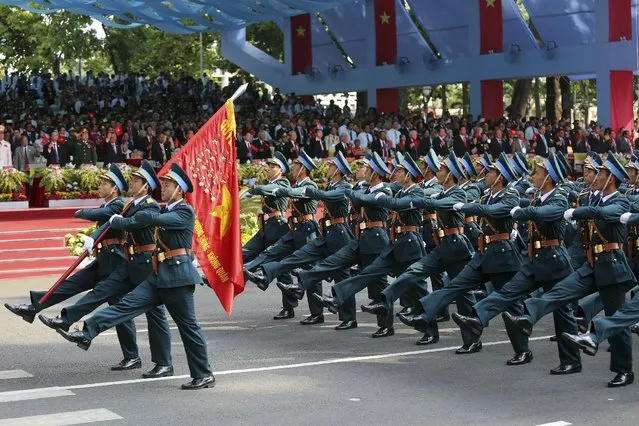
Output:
x=173 y=285
x=606 y=271
x=84 y=153
x=496 y=261
x=549 y=263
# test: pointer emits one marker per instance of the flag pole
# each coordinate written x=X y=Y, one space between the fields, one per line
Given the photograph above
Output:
x=239 y=92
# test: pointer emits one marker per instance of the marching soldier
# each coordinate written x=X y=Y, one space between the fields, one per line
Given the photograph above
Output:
x=109 y=256
x=172 y=284
x=371 y=240
x=452 y=248
x=496 y=261
x=303 y=229
x=606 y=269
x=482 y=168
x=548 y=264
x=473 y=194
x=406 y=246
x=336 y=234
x=139 y=247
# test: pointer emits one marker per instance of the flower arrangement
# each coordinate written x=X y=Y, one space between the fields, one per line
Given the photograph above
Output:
x=249 y=209
x=76 y=243
x=11 y=184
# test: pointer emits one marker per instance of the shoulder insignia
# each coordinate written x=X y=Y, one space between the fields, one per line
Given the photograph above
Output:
x=150 y=200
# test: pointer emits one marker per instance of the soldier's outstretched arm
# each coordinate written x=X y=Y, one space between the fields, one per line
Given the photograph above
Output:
x=100 y=214
x=610 y=213
x=173 y=220
x=129 y=223
x=500 y=209
x=332 y=195
x=552 y=211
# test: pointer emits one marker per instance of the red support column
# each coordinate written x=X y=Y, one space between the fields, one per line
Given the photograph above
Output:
x=491 y=30
x=386 y=51
x=622 y=81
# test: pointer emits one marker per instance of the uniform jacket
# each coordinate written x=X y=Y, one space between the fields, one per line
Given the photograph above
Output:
x=374 y=240
x=275 y=227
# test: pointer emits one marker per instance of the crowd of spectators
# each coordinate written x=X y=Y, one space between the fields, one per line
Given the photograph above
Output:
x=116 y=117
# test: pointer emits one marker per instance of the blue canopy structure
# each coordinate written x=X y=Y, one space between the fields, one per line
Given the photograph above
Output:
x=437 y=41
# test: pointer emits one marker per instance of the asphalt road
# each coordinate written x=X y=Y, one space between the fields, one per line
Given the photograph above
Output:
x=279 y=372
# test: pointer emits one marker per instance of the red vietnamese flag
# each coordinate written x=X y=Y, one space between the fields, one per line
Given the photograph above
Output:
x=301 y=48
x=491 y=33
x=385 y=32
x=210 y=161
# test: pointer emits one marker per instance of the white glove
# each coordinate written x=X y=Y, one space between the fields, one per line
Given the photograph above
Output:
x=196 y=263
x=458 y=206
x=531 y=190
x=513 y=234
x=434 y=195
x=113 y=217
x=514 y=209
x=625 y=218
x=568 y=214
x=88 y=245
x=276 y=190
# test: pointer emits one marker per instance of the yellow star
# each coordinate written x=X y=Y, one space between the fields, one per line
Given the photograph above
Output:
x=490 y=3
x=301 y=31
x=222 y=211
x=385 y=17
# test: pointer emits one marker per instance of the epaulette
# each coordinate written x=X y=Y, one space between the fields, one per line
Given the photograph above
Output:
x=150 y=200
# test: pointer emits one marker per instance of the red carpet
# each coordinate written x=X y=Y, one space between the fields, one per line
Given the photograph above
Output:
x=32 y=242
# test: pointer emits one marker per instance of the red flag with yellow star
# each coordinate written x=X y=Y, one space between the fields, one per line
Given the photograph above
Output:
x=491 y=27
x=301 y=47
x=210 y=161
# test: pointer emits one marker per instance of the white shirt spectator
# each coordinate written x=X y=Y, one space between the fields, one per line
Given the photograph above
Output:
x=393 y=135
x=5 y=154
x=365 y=139
x=529 y=133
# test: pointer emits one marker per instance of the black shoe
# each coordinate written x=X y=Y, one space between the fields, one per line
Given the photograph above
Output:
x=128 y=364
x=205 y=382
x=405 y=311
x=346 y=325
x=354 y=271
x=159 y=371
x=55 y=323
x=296 y=274
x=327 y=301
x=415 y=321
x=520 y=358
x=521 y=322
x=566 y=369
x=259 y=280
x=378 y=308
x=621 y=379
x=27 y=312
x=472 y=324
x=427 y=339
x=77 y=337
x=582 y=324
x=585 y=342
x=384 y=332
x=635 y=328
x=293 y=290
x=553 y=338
x=443 y=318
x=285 y=314
x=313 y=319
x=469 y=349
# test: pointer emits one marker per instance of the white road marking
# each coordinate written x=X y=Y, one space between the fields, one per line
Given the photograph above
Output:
x=255 y=370
x=14 y=374
x=28 y=394
x=559 y=423
x=66 y=418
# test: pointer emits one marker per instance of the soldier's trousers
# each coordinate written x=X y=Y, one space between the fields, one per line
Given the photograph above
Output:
x=379 y=268
x=178 y=301
x=111 y=290
x=468 y=279
x=81 y=281
x=252 y=250
x=608 y=326
x=514 y=292
x=340 y=261
x=576 y=286
x=311 y=253
x=432 y=264
x=410 y=298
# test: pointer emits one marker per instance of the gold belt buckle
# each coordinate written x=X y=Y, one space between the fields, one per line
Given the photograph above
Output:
x=537 y=245
x=440 y=233
x=362 y=226
x=327 y=222
x=487 y=239
x=398 y=230
x=161 y=257
x=100 y=246
x=131 y=250
x=598 y=248
x=637 y=242
x=295 y=220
